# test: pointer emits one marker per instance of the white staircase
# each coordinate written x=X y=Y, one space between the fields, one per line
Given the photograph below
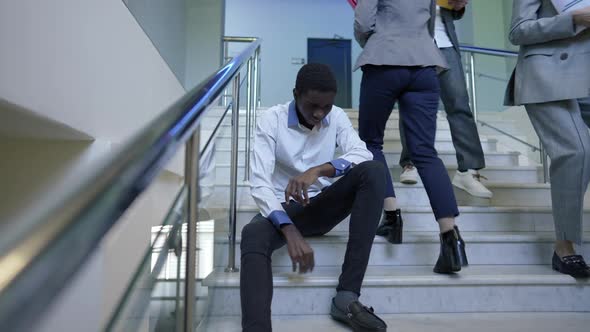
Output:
x=509 y=245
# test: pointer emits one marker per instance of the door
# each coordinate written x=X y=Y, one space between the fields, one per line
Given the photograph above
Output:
x=335 y=53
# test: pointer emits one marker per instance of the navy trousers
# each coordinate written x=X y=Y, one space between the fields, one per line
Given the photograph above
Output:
x=453 y=93
x=417 y=91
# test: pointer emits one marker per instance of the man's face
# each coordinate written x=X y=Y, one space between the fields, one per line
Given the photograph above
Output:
x=314 y=105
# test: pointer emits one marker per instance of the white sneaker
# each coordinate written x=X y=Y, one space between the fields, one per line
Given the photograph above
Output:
x=409 y=175
x=470 y=181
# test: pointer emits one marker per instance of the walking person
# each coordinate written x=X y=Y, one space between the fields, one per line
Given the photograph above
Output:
x=400 y=62
x=552 y=81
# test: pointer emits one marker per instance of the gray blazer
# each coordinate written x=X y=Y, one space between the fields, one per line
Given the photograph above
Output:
x=553 y=62
x=397 y=33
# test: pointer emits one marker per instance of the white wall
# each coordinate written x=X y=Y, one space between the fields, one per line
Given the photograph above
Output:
x=205 y=30
x=165 y=24
x=31 y=169
x=86 y=63
x=284 y=26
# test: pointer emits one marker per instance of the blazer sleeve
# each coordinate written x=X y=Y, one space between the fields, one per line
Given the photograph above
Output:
x=527 y=28
x=365 y=18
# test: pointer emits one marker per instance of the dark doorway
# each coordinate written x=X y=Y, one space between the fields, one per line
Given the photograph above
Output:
x=335 y=53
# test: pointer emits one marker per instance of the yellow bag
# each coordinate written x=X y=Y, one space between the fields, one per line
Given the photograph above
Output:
x=444 y=4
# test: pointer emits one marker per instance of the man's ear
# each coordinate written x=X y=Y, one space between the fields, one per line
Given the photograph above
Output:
x=295 y=94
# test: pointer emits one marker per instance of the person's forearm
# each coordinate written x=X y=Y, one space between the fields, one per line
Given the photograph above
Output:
x=326 y=170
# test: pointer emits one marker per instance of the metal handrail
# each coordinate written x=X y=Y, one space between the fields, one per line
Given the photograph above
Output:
x=534 y=148
x=472 y=51
x=29 y=280
x=494 y=78
x=487 y=51
x=252 y=98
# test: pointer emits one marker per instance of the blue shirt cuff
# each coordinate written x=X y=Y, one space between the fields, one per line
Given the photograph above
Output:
x=279 y=218
x=341 y=165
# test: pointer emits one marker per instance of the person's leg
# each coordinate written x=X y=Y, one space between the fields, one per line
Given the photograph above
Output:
x=418 y=107
x=359 y=193
x=259 y=239
x=404 y=158
x=565 y=137
x=470 y=156
x=409 y=175
x=453 y=93
x=380 y=86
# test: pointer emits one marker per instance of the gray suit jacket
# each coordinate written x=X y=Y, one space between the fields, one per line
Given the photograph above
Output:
x=397 y=33
x=553 y=62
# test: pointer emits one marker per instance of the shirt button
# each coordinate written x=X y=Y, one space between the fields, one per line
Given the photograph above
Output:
x=564 y=56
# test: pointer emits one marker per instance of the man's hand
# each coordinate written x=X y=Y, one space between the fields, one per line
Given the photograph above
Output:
x=300 y=252
x=298 y=186
x=582 y=16
x=458 y=4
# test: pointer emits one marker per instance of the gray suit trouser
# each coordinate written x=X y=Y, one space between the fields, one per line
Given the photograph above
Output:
x=453 y=93
x=562 y=127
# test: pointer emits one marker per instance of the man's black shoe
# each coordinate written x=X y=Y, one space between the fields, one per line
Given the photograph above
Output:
x=573 y=265
x=359 y=317
x=449 y=260
x=391 y=226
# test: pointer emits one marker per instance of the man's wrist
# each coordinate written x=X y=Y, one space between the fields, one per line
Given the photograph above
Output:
x=327 y=170
x=287 y=229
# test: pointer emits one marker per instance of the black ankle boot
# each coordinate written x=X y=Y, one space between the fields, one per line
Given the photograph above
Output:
x=461 y=244
x=391 y=226
x=449 y=259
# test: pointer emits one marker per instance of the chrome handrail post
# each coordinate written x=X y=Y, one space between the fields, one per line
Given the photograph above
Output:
x=225 y=58
x=472 y=85
x=231 y=265
x=544 y=162
x=191 y=178
x=248 y=119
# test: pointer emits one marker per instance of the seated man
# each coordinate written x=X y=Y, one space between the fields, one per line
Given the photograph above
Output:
x=291 y=164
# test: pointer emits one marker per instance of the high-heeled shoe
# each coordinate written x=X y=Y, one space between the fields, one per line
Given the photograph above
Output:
x=391 y=226
x=449 y=260
x=461 y=244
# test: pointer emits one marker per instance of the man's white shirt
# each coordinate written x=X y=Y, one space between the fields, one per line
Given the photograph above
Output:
x=283 y=149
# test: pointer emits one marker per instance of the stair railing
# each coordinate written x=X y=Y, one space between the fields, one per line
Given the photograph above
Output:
x=471 y=52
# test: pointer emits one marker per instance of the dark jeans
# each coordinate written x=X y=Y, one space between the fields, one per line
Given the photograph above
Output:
x=453 y=92
x=359 y=193
x=417 y=90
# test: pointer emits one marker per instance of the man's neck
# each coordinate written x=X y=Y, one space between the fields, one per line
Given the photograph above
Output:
x=302 y=119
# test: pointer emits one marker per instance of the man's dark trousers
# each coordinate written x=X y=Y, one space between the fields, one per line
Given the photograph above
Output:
x=359 y=193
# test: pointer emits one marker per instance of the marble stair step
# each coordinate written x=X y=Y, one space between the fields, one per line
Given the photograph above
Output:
x=514 y=174
x=505 y=195
x=449 y=158
x=421 y=219
x=448 y=322
x=416 y=289
x=422 y=248
x=391 y=143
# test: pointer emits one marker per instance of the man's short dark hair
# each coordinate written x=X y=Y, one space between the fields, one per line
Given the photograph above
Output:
x=317 y=77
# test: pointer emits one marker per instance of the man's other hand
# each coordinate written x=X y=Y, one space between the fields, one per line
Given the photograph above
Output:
x=299 y=250
x=582 y=16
